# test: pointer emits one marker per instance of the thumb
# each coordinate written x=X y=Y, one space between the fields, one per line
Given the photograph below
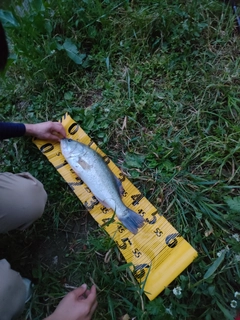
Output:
x=80 y=291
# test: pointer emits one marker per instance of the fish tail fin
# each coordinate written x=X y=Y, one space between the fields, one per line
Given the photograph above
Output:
x=131 y=220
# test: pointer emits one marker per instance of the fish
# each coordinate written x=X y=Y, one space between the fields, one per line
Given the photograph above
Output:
x=105 y=186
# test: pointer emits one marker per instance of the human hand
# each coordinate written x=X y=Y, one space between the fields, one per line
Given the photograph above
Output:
x=46 y=130
x=78 y=304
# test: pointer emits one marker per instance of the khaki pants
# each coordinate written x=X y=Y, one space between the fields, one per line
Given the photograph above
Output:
x=22 y=201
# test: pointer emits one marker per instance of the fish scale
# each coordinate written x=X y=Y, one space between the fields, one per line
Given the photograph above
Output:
x=91 y=168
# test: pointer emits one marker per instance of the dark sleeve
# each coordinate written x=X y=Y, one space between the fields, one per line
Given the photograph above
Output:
x=11 y=130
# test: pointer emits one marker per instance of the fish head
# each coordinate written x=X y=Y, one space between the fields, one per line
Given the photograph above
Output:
x=70 y=148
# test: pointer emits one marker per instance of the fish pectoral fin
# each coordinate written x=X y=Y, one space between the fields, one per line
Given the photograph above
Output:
x=84 y=164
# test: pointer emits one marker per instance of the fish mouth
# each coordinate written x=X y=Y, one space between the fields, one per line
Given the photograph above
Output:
x=64 y=141
x=67 y=147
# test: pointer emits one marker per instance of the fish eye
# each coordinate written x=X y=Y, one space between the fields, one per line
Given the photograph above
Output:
x=69 y=140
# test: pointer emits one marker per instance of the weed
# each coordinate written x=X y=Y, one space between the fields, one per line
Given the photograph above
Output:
x=156 y=85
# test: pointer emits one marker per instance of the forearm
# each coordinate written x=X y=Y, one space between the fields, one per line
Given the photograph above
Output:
x=44 y=130
x=11 y=130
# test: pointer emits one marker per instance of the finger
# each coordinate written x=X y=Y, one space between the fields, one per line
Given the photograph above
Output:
x=80 y=291
x=56 y=136
x=60 y=129
x=93 y=289
x=93 y=308
x=92 y=295
x=52 y=137
x=86 y=294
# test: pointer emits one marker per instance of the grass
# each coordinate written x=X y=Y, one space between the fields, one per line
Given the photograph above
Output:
x=156 y=85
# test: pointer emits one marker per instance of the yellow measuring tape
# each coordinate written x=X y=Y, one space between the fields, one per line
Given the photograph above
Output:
x=157 y=253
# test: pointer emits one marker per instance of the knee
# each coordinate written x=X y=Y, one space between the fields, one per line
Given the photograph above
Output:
x=34 y=204
x=36 y=197
x=22 y=200
x=40 y=200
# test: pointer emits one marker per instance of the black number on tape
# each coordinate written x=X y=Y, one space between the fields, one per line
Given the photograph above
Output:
x=104 y=210
x=72 y=171
x=124 y=194
x=121 y=177
x=141 y=212
x=76 y=177
x=107 y=221
x=139 y=271
x=75 y=184
x=171 y=240
x=158 y=232
x=136 y=198
x=47 y=147
x=92 y=203
x=137 y=253
x=61 y=165
x=73 y=128
x=121 y=229
x=154 y=219
x=106 y=159
x=90 y=143
x=123 y=245
x=88 y=190
x=64 y=117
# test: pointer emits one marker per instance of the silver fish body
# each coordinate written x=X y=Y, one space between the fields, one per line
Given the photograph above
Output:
x=94 y=172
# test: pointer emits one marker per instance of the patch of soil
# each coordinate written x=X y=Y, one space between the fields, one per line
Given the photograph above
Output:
x=54 y=250
x=50 y=248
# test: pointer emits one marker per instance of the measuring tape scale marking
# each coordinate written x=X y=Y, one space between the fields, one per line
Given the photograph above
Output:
x=159 y=242
x=139 y=196
x=158 y=249
x=132 y=200
x=153 y=239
